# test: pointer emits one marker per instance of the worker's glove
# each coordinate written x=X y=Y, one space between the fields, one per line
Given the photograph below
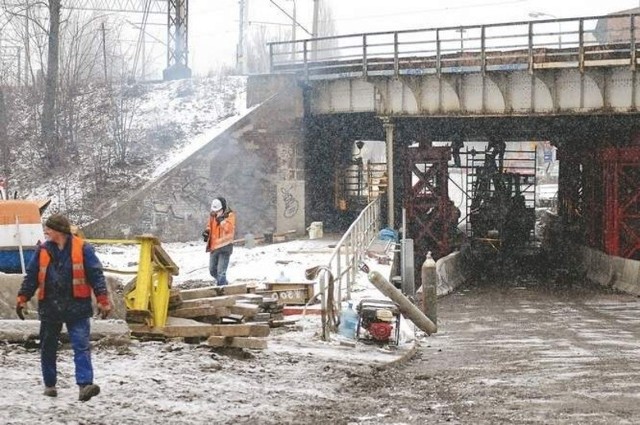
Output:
x=105 y=310
x=220 y=218
x=20 y=306
x=205 y=235
x=104 y=306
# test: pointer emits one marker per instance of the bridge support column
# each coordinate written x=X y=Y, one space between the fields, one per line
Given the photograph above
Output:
x=389 y=128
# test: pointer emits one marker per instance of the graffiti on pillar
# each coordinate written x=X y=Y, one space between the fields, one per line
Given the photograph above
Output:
x=291 y=204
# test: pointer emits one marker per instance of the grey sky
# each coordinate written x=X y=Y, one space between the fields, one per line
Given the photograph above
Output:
x=214 y=23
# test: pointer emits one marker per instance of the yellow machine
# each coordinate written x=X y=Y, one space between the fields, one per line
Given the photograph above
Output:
x=147 y=296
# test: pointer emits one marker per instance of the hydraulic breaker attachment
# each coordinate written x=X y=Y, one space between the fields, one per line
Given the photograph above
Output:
x=147 y=296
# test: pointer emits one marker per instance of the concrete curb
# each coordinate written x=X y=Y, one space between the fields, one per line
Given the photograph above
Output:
x=609 y=271
x=450 y=273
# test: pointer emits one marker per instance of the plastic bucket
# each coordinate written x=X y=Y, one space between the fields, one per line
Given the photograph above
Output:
x=315 y=230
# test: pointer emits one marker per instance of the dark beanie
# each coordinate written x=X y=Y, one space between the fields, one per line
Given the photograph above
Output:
x=58 y=222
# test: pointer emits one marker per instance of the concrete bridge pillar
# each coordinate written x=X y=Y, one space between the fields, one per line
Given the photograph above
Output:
x=389 y=128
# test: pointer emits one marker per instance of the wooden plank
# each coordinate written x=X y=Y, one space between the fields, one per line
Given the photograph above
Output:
x=250 y=298
x=175 y=327
x=218 y=341
x=262 y=317
x=191 y=312
x=192 y=294
x=284 y=322
x=233 y=289
x=144 y=330
x=241 y=330
x=249 y=342
x=175 y=298
x=246 y=310
x=19 y=331
x=202 y=330
x=225 y=301
x=260 y=330
x=235 y=317
x=237 y=342
x=164 y=260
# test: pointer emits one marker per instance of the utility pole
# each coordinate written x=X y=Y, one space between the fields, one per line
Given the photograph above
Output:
x=316 y=9
x=178 y=38
x=314 y=29
x=241 y=60
x=294 y=22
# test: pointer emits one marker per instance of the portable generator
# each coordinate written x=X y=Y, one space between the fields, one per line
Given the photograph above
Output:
x=379 y=322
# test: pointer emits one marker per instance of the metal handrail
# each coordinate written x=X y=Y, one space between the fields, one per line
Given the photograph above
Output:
x=348 y=252
x=584 y=41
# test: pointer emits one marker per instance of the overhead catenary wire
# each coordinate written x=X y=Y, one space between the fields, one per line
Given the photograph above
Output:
x=362 y=17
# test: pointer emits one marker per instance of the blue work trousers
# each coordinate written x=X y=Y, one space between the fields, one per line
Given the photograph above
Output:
x=79 y=335
x=218 y=263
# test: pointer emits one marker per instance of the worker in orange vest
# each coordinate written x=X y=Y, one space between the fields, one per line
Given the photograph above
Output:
x=64 y=271
x=219 y=235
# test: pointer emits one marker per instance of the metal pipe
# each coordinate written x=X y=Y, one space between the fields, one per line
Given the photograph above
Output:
x=405 y=306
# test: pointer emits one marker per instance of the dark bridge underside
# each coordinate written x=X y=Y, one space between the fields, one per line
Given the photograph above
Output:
x=329 y=141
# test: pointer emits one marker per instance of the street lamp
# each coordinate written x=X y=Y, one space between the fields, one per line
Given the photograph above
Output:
x=541 y=15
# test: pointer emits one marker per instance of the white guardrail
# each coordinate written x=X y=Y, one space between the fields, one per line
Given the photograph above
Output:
x=349 y=251
x=577 y=42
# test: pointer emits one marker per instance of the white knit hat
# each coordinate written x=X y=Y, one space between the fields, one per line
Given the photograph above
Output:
x=216 y=205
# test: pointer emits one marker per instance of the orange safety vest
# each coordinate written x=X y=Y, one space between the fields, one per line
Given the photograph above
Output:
x=80 y=287
x=221 y=234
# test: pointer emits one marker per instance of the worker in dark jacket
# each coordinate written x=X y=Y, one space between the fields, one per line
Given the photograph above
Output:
x=64 y=271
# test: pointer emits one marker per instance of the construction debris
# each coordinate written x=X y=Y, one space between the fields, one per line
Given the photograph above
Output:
x=226 y=316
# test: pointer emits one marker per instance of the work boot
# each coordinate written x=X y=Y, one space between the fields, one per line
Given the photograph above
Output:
x=88 y=391
x=50 y=392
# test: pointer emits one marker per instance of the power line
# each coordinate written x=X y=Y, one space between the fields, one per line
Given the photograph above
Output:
x=439 y=9
x=291 y=17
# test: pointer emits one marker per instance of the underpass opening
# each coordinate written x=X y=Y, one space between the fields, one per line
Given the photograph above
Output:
x=581 y=200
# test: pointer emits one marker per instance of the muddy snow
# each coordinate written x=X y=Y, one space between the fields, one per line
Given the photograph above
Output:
x=177 y=382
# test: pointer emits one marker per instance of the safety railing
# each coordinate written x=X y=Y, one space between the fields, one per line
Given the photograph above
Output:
x=348 y=252
x=569 y=42
x=342 y=267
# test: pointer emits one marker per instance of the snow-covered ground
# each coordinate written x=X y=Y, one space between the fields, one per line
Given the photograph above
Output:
x=176 y=383
x=260 y=264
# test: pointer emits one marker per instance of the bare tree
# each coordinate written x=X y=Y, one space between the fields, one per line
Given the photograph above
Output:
x=326 y=23
x=124 y=112
x=5 y=152
x=258 y=53
x=79 y=65
x=49 y=131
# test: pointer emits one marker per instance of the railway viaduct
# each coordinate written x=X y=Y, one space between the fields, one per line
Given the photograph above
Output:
x=572 y=82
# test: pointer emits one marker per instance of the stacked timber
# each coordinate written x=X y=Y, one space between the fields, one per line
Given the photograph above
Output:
x=226 y=316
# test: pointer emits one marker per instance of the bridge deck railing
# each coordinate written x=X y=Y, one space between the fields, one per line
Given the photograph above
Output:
x=569 y=42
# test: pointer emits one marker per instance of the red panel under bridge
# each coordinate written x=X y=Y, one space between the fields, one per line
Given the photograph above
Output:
x=599 y=195
x=432 y=217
